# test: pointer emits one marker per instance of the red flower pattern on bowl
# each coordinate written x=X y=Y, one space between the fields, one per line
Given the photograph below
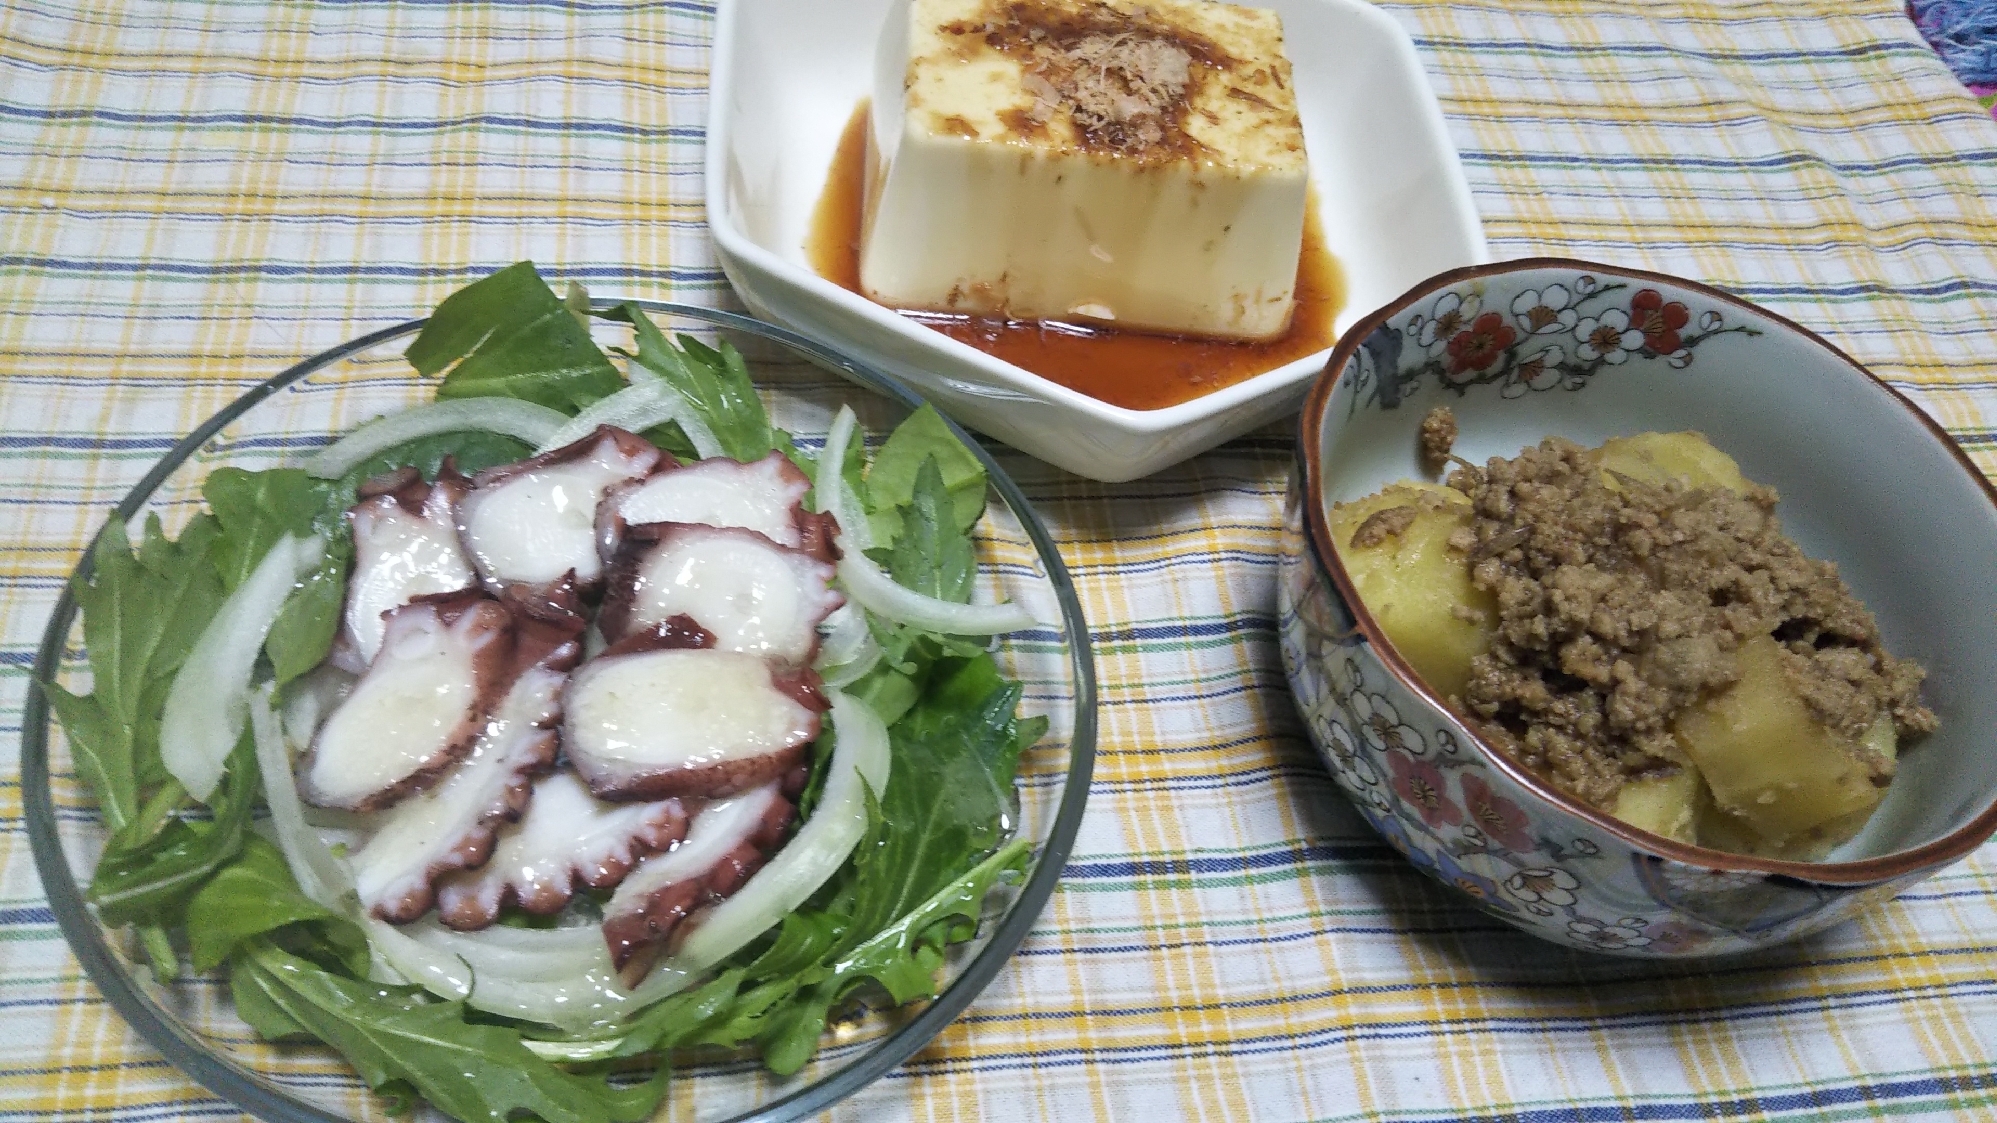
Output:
x=1499 y=818
x=1423 y=786
x=1658 y=320
x=1481 y=344
x=1625 y=341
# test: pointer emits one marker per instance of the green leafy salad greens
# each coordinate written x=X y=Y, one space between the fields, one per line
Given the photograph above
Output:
x=201 y=878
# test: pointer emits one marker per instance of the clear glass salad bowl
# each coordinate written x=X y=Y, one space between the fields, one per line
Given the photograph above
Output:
x=280 y=422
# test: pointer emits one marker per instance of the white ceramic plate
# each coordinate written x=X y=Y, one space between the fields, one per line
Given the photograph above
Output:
x=787 y=74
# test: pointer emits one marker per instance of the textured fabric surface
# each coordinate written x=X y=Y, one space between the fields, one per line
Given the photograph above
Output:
x=1964 y=33
x=194 y=195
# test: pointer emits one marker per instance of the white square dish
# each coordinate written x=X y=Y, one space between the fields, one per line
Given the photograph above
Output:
x=787 y=74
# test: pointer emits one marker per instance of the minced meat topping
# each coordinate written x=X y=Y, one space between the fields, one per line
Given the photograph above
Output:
x=1618 y=608
x=1436 y=437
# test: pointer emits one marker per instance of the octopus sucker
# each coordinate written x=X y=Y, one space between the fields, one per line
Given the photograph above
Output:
x=766 y=496
x=727 y=842
x=752 y=594
x=420 y=706
x=405 y=546
x=677 y=721
x=567 y=837
x=533 y=523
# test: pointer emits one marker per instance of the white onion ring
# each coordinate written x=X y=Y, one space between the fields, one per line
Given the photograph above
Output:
x=569 y=984
x=859 y=757
x=636 y=408
x=208 y=703
x=877 y=593
x=839 y=500
x=320 y=875
x=526 y=421
x=849 y=649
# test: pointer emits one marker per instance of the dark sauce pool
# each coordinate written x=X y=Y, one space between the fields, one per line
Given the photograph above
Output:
x=1136 y=370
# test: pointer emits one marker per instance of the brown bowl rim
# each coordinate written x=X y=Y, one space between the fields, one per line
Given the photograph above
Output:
x=1866 y=871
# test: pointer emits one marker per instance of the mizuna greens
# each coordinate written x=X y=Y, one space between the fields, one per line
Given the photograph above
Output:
x=516 y=364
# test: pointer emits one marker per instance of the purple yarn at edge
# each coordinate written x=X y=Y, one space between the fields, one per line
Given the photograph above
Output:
x=1963 y=33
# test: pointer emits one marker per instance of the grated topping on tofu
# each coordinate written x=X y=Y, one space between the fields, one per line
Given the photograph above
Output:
x=1119 y=88
x=1123 y=78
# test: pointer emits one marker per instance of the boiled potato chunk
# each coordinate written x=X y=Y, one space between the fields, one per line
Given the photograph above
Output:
x=1665 y=803
x=1659 y=458
x=1770 y=764
x=1720 y=831
x=1413 y=583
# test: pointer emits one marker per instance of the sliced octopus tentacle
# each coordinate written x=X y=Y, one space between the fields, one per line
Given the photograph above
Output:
x=727 y=842
x=766 y=496
x=405 y=546
x=452 y=826
x=754 y=595
x=680 y=721
x=532 y=522
x=420 y=706
x=558 y=601
x=567 y=837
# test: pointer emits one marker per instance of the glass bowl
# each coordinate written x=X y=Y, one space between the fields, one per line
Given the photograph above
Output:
x=283 y=420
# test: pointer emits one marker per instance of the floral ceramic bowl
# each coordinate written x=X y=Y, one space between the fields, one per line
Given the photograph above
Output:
x=1526 y=349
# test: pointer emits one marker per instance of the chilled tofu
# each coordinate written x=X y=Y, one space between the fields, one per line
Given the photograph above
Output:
x=1132 y=163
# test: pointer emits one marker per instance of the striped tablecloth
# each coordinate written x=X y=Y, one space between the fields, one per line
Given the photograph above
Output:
x=194 y=194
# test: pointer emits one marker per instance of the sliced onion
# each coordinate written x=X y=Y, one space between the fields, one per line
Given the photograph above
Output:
x=859 y=756
x=560 y=977
x=310 y=697
x=839 y=500
x=848 y=649
x=846 y=674
x=442 y=975
x=574 y=1052
x=878 y=593
x=516 y=953
x=636 y=408
x=209 y=700
x=320 y=875
x=509 y=416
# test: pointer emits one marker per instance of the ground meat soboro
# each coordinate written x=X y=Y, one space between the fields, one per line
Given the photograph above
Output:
x=1436 y=437
x=1620 y=607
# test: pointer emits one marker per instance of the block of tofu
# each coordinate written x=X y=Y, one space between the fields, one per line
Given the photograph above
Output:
x=1137 y=163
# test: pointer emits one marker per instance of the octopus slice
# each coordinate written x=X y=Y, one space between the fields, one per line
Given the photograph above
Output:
x=686 y=721
x=451 y=826
x=405 y=546
x=558 y=602
x=531 y=522
x=567 y=836
x=766 y=496
x=420 y=706
x=753 y=595
x=728 y=841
